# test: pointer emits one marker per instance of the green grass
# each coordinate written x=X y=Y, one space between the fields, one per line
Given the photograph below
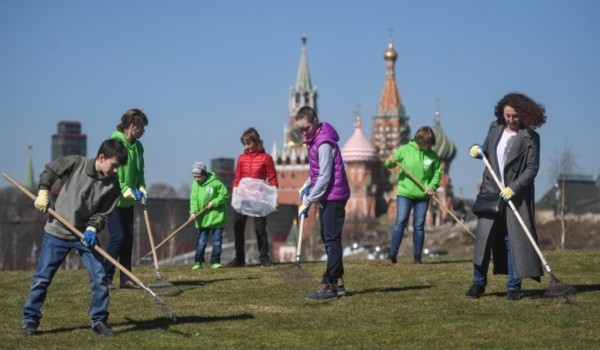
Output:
x=401 y=306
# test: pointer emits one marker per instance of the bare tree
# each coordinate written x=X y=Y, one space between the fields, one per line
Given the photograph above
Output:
x=564 y=163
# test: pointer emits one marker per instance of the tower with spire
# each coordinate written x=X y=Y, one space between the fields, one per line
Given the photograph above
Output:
x=390 y=124
x=390 y=129
x=29 y=181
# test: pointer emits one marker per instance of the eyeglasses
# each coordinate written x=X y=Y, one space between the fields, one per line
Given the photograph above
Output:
x=305 y=130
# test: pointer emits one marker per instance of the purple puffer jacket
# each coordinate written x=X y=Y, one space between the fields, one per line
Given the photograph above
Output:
x=338 y=189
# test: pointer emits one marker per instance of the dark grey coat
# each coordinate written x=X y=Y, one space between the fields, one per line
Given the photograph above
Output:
x=520 y=170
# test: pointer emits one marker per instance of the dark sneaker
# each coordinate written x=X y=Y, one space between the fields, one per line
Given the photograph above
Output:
x=129 y=285
x=418 y=261
x=236 y=263
x=103 y=329
x=392 y=259
x=341 y=290
x=475 y=291
x=513 y=295
x=325 y=293
x=266 y=263
x=29 y=329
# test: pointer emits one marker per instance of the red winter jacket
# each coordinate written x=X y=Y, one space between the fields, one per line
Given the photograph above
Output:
x=257 y=165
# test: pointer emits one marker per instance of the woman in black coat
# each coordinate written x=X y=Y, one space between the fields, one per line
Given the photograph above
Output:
x=513 y=149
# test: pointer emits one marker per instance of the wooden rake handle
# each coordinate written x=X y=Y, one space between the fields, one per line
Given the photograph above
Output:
x=412 y=177
x=150 y=236
x=519 y=218
x=174 y=233
x=74 y=230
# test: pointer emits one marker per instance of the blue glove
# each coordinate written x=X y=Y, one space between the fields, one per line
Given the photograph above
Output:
x=142 y=190
x=476 y=151
x=138 y=195
x=89 y=238
x=304 y=191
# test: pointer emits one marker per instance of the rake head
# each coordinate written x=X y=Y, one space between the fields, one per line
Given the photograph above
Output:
x=162 y=287
x=164 y=309
x=559 y=289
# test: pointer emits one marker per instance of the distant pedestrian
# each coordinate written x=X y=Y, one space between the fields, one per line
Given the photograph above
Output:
x=327 y=187
x=254 y=163
x=133 y=188
x=89 y=193
x=513 y=150
x=423 y=163
x=208 y=206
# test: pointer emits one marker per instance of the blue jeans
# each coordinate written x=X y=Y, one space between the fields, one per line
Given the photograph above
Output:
x=403 y=208
x=217 y=242
x=120 y=246
x=480 y=271
x=52 y=254
x=332 y=216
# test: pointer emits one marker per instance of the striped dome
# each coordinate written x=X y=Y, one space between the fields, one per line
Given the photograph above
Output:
x=444 y=148
x=358 y=148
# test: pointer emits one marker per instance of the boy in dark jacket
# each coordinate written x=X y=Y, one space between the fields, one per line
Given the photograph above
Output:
x=89 y=194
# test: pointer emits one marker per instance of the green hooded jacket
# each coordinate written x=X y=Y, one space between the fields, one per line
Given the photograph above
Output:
x=210 y=190
x=131 y=175
x=424 y=165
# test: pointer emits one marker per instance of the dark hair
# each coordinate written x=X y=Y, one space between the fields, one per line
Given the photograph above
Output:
x=307 y=112
x=425 y=137
x=250 y=135
x=531 y=114
x=131 y=117
x=111 y=148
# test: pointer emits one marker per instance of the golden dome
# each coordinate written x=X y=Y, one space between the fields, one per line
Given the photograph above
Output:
x=390 y=53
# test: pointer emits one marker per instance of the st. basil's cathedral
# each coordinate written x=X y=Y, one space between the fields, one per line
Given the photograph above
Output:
x=373 y=200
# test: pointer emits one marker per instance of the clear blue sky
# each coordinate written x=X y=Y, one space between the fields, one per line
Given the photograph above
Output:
x=203 y=71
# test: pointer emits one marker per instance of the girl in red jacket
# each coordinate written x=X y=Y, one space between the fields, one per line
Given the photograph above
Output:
x=257 y=164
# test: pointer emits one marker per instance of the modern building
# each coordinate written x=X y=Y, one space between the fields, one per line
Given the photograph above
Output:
x=69 y=140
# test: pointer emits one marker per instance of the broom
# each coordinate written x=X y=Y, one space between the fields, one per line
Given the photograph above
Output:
x=164 y=309
x=160 y=286
x=557 y=288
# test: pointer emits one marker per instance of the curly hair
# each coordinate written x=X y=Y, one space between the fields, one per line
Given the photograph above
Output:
x=531 y=114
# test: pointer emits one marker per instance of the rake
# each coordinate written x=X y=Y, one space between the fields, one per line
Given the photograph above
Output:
x=173 y=234
x=296 y=270
x=160 y=286
x=557 y=288
x=441 y=205
x=164 y=309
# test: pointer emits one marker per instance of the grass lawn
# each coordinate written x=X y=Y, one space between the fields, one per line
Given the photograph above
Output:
x=386 y=307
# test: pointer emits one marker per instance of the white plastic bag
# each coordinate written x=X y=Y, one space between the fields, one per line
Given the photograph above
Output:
x=254 y=197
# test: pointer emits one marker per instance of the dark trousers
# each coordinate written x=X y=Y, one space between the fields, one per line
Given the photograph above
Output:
x=260 y=226
x=120 y=246
x=333 y=215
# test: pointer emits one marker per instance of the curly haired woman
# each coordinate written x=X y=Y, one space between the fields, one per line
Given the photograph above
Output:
x=513 y=149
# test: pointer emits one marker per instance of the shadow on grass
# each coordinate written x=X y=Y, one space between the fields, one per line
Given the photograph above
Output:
x=200 y=283
x=386 y=290
x=538 y=293
x=165 y=324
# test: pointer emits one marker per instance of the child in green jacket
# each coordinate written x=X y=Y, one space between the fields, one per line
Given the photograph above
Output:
x=423 y=163
x=208 y=207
